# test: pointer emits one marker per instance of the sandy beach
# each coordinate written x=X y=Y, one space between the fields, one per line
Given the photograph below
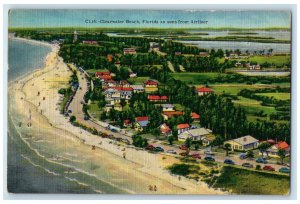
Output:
x=35 y=100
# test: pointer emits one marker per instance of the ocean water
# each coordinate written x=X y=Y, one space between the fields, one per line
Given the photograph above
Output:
x=24 y=57
x=41 y=163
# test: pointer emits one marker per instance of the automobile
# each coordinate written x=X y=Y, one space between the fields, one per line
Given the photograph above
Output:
x=183 y=147
x=261 y=160
x=247 y=165
x=196 y=156
x=208 y=152
x=171 y=151
x=284 y=170
x=208 y=158
x=183 y=154
x=86 y=117
x=66 y=114
x=229 y=161
x=243 y=156
x=114 y=130
x=111 y=137
x=268 y=168
x=150 y=147
x=287 y=164
x=159 y=149
x=69 y=111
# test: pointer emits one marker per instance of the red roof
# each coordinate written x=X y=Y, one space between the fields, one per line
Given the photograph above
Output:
x=105 y=77
x=195 y=115
x=164 y=128
x=126 y=122
x=156 y=97
x=172 y=113
x=102 y=73
x=123 y=88
x=282 y=145
x=205 y=89
x=151 y=82
x=153 y=97
x=183 y=126
x=138 y=119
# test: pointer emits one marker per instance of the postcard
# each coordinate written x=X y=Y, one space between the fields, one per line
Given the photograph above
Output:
x=193 y=102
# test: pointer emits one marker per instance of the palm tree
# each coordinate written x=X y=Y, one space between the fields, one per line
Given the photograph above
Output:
x=227 y=148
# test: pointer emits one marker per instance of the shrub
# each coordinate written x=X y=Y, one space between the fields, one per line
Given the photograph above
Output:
x=258 y=167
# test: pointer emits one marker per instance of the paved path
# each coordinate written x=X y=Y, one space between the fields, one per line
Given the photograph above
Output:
x=77 y=104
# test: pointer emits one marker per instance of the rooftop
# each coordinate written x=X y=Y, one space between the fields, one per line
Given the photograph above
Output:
x=204 y=89
x=248 y=139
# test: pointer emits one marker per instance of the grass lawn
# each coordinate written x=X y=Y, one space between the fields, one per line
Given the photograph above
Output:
x=138 y=80
x=277 y=60
x=178 y=107
x=243 y=181
x=94 y=110
x=279 y=96
x=196 y=78
x=93 y=71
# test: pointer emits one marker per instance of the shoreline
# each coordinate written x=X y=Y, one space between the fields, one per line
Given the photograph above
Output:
x=54 y=75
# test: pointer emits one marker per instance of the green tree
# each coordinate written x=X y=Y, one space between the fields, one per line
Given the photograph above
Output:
x=170 y=140
x=227 y=148
x=281 y=153
x=250 y=154
x=263 y=147
x=72 y=119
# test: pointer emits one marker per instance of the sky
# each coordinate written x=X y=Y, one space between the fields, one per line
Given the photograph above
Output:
x=94 y=18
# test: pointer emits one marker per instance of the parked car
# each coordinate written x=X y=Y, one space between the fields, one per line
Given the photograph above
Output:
x=150 y=147
x=208 y=158
x=171 y=151
x=261 y=160
x=69 y=111
x=196 y=156
x=229 y=161
x=183 y=147
x=247 y=165
x=159 y=149
x=183 y=154
x=111 y=137
x=284 y=170
x=86 y=117
x=243 y=156
x=268 y=168
x=208 y=152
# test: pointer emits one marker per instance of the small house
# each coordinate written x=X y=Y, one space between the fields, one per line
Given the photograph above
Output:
x=273 y=150
x=182 y=128
x=195 y=117
x=167 y=107
x=141 y=123
x=204 y=91
x=129 y=51
x=194 y=134
x=243 y=143
x=169 y=114
x=137 y=88
x=165 y=129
